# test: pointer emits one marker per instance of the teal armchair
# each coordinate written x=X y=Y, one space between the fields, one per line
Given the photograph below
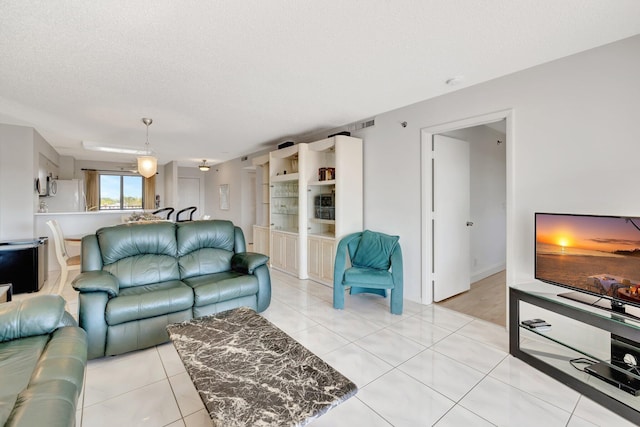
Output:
x=376 y=265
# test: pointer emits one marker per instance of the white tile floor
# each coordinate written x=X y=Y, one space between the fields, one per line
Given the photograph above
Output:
x=430 y=366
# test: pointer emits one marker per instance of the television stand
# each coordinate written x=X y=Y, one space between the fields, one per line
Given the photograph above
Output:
x=604 y=303
x=580 y=331
x=616 y=377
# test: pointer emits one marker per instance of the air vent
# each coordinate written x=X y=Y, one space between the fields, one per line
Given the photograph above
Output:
x=365 y=124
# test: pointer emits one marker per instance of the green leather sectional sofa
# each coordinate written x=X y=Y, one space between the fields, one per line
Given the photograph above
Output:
x=138 y=278
x=43 y=355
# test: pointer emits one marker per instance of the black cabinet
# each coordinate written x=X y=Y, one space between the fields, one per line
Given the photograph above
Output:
x=24 y=264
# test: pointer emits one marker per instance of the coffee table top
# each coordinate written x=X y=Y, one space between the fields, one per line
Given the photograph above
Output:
x=250 y=373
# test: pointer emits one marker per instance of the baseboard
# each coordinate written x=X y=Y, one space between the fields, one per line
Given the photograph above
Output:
x=486 y=272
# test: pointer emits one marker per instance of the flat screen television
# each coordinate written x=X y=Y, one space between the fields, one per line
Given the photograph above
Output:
x=597 y=257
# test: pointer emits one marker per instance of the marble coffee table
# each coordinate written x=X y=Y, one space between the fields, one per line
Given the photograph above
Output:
x=250 y=373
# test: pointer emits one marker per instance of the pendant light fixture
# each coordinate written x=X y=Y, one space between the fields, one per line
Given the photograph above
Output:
x=204 y=167
x=147 y=165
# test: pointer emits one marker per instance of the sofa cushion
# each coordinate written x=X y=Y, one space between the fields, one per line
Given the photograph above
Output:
x=139 y=254
x=143 y=270
x=205 y=261
x=214 y=288
x=368 y=276
x=205 y=247
x=127 y=240
x=29 y=317
x=195 y=235
x=141 y=302
x=18 y=359
x=374 y=250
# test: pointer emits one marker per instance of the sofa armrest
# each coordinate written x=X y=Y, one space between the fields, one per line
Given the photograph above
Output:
x=264 y=287
x=39 y=315
x=247 y=262
x=97 y=281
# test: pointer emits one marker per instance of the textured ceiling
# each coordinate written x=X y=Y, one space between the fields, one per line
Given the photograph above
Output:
x=225 y=78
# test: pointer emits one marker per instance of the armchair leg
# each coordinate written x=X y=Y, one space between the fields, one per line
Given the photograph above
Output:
x=396 y=301
x=338 y=296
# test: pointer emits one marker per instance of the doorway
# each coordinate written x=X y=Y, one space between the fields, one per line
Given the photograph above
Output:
x=486 y=192
x=189 y=194
x=485 y=225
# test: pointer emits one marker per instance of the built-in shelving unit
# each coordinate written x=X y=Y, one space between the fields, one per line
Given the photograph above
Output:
x=287 y=225
x=334 y=200
x=315 y=198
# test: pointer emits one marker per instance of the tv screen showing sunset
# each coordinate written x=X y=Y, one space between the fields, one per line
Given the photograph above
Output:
x=599 y=254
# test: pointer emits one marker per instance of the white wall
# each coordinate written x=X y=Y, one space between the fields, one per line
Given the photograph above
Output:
x=236 y=173
x=22 y=150
x=170 y=185
x=230 y=173
x=488 y=199
x=67 y=167
x=192 y=173
x=575 y=148
x=17 y=175
x=248 y=211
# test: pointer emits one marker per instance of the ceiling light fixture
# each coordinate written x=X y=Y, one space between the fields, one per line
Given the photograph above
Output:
x=204 y=167
x=147 y=165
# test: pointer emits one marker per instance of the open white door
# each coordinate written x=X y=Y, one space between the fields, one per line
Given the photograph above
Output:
x=451 y=222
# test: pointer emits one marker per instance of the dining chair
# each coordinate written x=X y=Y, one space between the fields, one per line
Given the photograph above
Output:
x=187 y=211
x=166 y=210
x=66 y=262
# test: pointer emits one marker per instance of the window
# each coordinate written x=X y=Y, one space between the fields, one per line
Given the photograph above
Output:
x=120 y=192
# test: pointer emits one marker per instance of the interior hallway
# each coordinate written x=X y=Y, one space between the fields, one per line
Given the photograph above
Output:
x=486 y=300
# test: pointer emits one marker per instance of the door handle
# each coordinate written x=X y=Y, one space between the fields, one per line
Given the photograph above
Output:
x=469 y=224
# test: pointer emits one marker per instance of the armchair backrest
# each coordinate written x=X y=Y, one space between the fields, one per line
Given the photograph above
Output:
x=352 y=244
x=139 y=254
x=372 y=249
x=206 y=247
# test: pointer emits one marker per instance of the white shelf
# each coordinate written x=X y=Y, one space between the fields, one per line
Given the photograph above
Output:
x=322 y=221
x=286 y=177
x=325 y=182
x=323 y=235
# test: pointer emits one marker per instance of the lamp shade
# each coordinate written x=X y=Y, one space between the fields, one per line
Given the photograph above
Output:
x=147 y=166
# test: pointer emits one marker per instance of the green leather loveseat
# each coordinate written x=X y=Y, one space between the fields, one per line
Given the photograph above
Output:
x=138 y=278
x=43 y=355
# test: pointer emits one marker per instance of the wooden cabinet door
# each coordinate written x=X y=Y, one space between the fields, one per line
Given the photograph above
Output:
x=277 y=250
x=291 y=254
x=261 y=240
x=314 y=260
x=327 y=255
